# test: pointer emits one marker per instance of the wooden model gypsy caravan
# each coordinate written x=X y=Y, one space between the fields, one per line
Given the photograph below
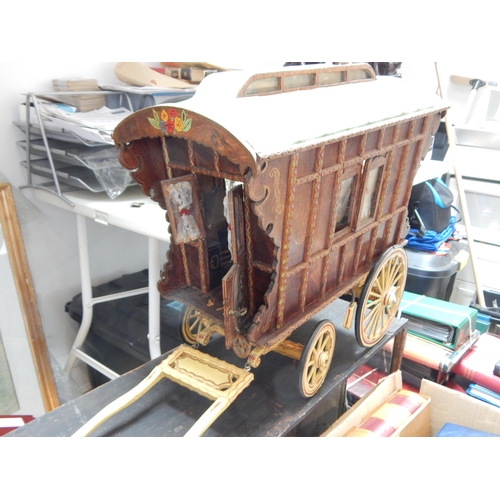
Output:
x=283 y=190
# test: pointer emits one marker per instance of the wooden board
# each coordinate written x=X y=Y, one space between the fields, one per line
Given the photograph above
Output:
x=270 y=406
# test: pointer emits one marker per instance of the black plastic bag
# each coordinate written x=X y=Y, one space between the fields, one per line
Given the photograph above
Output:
x=430 y=206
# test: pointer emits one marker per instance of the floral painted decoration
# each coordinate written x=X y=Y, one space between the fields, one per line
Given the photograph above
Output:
x=169 y=122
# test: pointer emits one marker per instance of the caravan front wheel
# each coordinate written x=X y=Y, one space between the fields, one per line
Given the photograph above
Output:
x=316 y=359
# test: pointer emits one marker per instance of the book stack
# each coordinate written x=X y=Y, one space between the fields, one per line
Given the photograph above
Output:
x=439 y=335
x=423 y=359
x=367 y=377
x=81 y=101
x=390 y=416
x=478 y=371
x=479 y=364
x=436 y=361
x=444 y=323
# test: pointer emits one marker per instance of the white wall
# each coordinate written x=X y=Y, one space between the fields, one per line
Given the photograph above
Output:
x=50 y=233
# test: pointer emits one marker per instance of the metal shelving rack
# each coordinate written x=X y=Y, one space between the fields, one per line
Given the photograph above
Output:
x=49 y=142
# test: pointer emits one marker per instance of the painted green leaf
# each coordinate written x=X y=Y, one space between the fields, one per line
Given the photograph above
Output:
x=154 y=123
x=186 y=125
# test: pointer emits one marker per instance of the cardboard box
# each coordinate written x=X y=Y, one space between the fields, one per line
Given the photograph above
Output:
x=449 y=406
x=417 y=424
x=443 y=406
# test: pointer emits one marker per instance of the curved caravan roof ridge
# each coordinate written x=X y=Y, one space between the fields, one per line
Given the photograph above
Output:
x=277 y=123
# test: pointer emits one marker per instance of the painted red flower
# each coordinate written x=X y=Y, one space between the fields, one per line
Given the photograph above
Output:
x=172 y=113
x=169 y=127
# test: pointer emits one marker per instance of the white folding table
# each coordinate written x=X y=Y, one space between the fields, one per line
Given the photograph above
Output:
x=133 y=211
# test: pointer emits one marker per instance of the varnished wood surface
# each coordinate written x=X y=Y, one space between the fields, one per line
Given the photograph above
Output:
x=271 y=406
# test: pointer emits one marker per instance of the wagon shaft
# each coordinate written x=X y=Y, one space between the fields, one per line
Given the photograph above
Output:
x=210 y=377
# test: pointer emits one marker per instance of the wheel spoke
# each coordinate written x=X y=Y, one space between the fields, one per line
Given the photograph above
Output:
x=374 y=316
x=397 y=278
x=312 y=377
x=323 y=344
x=382 y=279
x=375 y=294
x=310 y=364
x=372 y=303
x=393 y=269
x=377 y=283
x=372 y=307
x=399 y=272
x=195 y=323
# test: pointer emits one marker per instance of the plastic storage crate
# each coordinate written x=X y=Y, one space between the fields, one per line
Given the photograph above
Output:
x=434 y=275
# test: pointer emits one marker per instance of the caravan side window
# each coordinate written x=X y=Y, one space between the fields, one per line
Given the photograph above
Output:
x=372 y=180
x=347 y=198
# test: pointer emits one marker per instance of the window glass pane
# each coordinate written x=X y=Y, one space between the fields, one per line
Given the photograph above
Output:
x=332 y=77
x=360 y=74
x=369 y=199
x=344 y=204
x=263 y=86
x=298 y=81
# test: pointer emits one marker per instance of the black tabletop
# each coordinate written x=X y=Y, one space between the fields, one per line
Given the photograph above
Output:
x=270 y=406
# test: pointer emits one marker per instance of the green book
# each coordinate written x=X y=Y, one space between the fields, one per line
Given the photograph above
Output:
x=436 y=320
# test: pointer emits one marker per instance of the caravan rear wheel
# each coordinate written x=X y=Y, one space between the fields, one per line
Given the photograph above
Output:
x=380 y=297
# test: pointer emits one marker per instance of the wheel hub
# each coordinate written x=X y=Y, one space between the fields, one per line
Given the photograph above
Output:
x=390 y=297
x=322 y=360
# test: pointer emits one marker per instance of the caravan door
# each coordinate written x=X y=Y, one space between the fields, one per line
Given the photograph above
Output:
x=235 y=298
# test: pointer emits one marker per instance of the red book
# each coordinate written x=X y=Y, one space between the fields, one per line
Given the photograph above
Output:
x=451 y=384
x=386 y=419
x=478 y=364
x=365 y=379
x=10 y=422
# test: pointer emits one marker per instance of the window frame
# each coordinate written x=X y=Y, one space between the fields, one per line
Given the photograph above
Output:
x=375 y=163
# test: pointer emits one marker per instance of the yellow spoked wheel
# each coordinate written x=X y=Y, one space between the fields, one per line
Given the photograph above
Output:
x=380 y=297
x=316 y=359
x=193 y=323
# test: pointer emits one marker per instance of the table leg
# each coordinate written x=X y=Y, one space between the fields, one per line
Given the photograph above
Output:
x=86 y=286
x=88 y=302
x=398 y=350
x=154 y=298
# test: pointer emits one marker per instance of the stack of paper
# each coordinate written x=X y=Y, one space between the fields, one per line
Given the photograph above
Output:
x=90 y=127
x=83 y=102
